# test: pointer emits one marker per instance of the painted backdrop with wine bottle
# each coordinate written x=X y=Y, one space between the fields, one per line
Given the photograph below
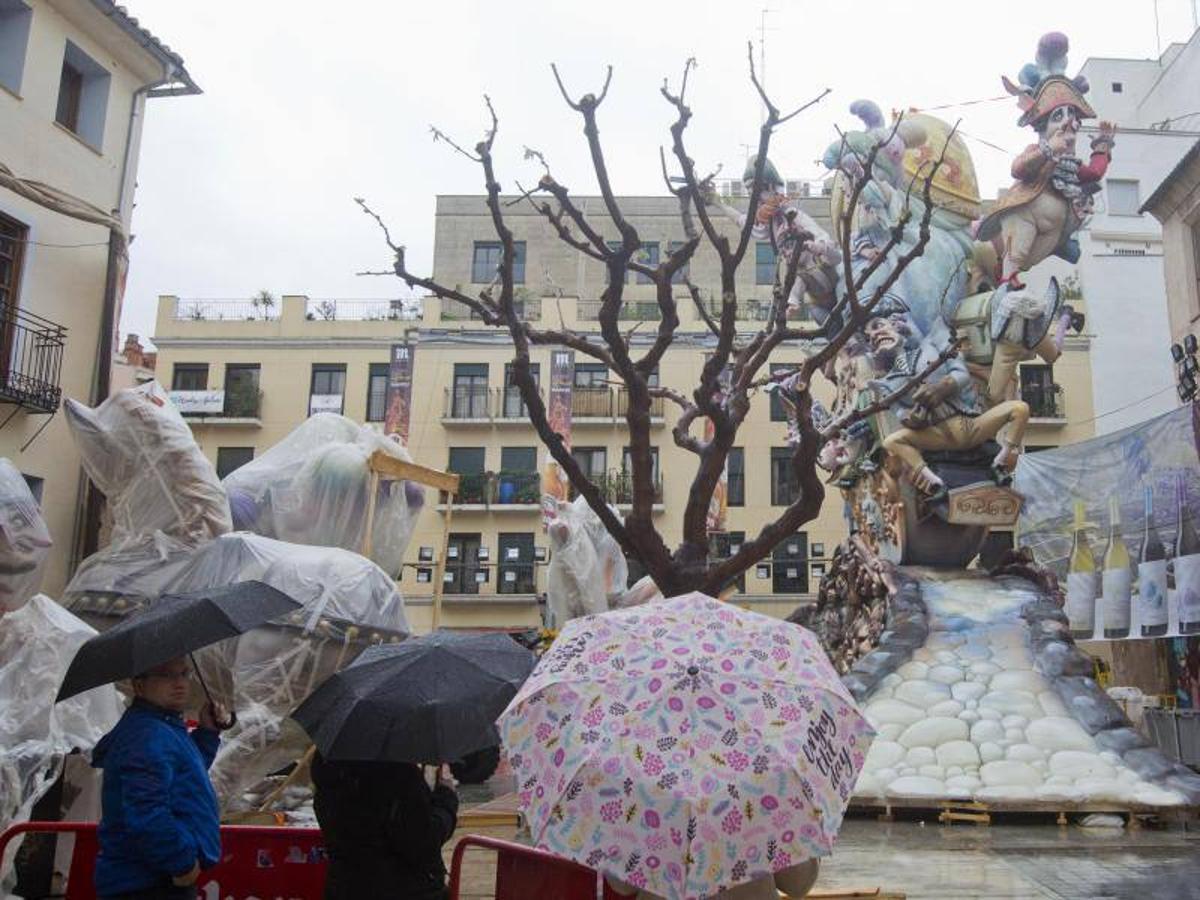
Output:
x=1118 y=519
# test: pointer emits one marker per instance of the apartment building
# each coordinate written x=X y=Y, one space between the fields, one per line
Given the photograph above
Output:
x=248 y=374
x=75 y=76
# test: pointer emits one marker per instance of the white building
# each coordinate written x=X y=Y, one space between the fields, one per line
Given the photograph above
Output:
x=1155 y=104
x=75 y=78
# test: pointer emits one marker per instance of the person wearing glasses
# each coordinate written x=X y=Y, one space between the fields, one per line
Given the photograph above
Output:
x=159 y=823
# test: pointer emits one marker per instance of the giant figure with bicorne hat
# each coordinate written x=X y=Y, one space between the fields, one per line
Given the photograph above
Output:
x=1040 y=214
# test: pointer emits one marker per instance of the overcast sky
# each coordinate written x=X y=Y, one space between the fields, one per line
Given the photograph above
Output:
x=309 y=104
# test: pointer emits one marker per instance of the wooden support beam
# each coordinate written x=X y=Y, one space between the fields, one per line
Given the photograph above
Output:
x=388 y=466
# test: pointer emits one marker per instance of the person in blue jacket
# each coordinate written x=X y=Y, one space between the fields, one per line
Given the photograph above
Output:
x=159 y=822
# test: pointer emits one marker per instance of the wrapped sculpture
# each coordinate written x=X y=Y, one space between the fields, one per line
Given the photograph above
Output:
x=313 y=488
x=587 y=571
x=348 y=603
x=163 y=493
x=24 y=540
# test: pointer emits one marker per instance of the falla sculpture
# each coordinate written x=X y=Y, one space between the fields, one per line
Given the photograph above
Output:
x=930 y=475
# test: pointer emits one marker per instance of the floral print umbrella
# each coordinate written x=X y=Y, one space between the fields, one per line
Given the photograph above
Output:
x=685 y=746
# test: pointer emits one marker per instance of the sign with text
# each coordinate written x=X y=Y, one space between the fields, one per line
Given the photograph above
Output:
x=555 y=488
x=399 y=391
x=198 y=403
x=319 y=403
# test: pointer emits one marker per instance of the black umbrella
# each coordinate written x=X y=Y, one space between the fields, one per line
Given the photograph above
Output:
x=171 y=627
x=429 y=699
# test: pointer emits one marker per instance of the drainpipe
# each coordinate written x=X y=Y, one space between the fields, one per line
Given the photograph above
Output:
x=118 y=247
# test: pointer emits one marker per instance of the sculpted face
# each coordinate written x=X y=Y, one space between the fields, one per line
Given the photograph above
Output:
x=883 y=336
x=1062 y=126
x=836 y=452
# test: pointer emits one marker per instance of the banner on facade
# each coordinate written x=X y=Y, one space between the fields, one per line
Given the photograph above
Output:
x=718 y=503
x=1147 y=479
x=555 y=487
x=399 y=391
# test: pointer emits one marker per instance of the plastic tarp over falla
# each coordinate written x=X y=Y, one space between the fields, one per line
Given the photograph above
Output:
x=587 y=572
x=37 y=640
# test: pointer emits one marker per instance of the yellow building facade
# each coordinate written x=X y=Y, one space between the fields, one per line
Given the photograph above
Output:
x=268 y=367
x=75 y=76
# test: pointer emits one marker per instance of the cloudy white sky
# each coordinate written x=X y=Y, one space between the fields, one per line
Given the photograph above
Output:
x=308 y=104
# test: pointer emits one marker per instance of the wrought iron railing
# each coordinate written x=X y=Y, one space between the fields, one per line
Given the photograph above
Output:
x=657 y=404
x=361 y=311
x=616 y=486
x=225 y=310
x=509 y=404
x=1045 y=401
x=242 y=404
x=529 y=309
x=31 y=356
x=589 y=402
x=514 y=488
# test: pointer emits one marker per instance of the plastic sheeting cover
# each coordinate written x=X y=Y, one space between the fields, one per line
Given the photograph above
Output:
x=313 y=488
x=37 y=642
x=164 y=495
x=24 y=540
x=587 y=569
x=347 y=603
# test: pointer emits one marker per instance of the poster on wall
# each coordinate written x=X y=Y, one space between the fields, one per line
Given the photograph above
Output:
x=555 y=487
x=1116 y=519
x=399 y=391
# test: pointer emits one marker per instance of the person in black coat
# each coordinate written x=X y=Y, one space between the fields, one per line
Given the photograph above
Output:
x=384 y=829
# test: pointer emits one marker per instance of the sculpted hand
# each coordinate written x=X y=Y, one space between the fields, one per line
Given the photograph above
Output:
x=930 y=395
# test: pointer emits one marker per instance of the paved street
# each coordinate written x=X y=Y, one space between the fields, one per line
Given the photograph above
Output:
x=1000 y=862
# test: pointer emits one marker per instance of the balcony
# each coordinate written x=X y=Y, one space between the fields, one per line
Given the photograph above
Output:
x=1047 y=405
x=31 y=360
x=657 y=405
x=591 y=403
x=232 y=408
x=503 y=491
x=616 y=486
x=529 y=309
x=631 y=311
x=196 y=310
x=467 y=405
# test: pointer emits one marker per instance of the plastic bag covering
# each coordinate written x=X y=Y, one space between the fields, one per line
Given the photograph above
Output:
x=312 y=488
x=348 y=603
x=37 y=642
x=24 y=540
x=163 y=493
x=587 y=569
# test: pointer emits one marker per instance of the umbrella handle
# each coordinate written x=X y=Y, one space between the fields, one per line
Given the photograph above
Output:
x=221 y=726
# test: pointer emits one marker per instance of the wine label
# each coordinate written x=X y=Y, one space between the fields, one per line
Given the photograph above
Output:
x=1114 y=604
x=1187 y=587
x=1152 y=592
x=1082 y=588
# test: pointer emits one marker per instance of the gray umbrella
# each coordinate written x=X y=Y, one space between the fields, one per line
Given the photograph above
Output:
x=171 y=627
x=429 y=699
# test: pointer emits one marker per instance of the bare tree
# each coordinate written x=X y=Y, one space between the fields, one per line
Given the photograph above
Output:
x=729 y=378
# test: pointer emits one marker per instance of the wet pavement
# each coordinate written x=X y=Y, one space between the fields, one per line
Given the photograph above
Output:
x=1015 y=861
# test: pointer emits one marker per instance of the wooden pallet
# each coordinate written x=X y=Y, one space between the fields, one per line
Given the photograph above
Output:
x=981 y=813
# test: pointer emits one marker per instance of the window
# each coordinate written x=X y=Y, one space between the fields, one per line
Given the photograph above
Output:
x=514 y=406
x=764 y=263
x=463 y=572
x=684 y=272
x=1122 y=197
x=735 y=472
x=485 y=262
x=590 y=375
x=515 y=566
x=518 y=481
x=469 y=463
x=590 y=396
x=82 y=96
x=470 y=396
x=518 y=459
x=230 y=459
x=377 y=388
x=1117 y=87
x=723 y=545
x=778 y=411
x=15 y=17
x=789 y=565
x=1039 y=391
x=190 y=377
x=241 y=390
x=36 y=486
x=627 y=463
x=12 y=252
x=327 y=391
x=783 y=479
x=647 y=257
x=593 y=461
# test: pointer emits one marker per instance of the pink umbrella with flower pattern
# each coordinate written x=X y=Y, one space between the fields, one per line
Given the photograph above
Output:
x=685 y=746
